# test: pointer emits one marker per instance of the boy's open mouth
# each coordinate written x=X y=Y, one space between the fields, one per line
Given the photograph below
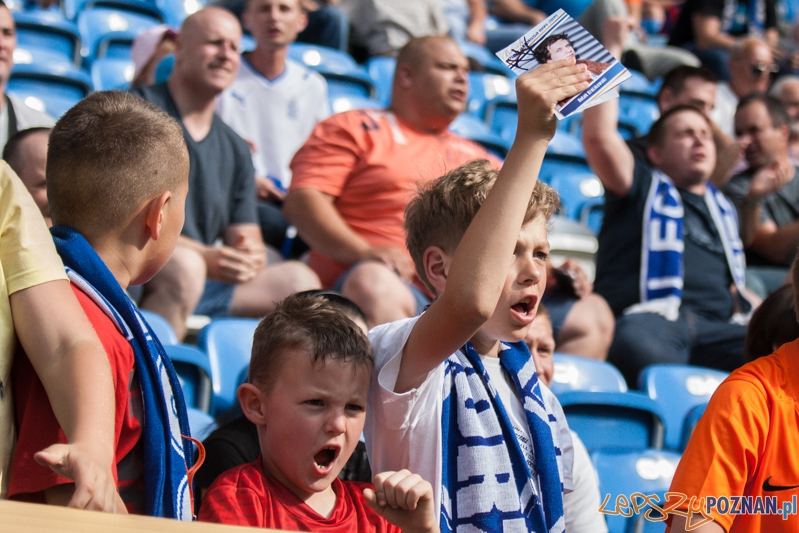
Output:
x=325 y=457
x=524 y=307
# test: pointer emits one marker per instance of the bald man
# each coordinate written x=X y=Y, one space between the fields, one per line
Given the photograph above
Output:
x=203 y=277
x=751 y=66
x=354 y=176
x=786 y=90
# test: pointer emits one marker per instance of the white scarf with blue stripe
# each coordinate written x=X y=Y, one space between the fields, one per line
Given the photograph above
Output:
x=662 y=247
x=166 y=483
x=487 y=483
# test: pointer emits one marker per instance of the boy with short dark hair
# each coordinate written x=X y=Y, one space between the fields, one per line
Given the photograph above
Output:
x=308 y=382
x=117 y=178
x=455 y=397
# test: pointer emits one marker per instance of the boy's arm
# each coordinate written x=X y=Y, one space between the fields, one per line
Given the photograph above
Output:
x=73 y=367
x=607 y=153
x=405 y=500
x=480 y=263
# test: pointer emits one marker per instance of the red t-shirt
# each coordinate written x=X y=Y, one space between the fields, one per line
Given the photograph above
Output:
x=38 y=427
x=371 y=162
x=246 y=496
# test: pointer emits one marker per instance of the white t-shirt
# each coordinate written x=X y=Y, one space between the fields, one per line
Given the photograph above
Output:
x=277 y=116
x=723 y=113
x=581 y=506
x=404 y=430
x=27 y=117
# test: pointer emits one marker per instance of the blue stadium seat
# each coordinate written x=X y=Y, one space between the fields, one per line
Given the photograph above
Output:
x=623 y=473
x=228 y=343
x=54 y=88
x=175 y=11
x=574 y=180
x=691 y=420
x=194 y=372
x=637 y=111
x=200 y=423
x=116 y=45
x=159 y=325
x=97 y=23
x=621 y=420
x=32 y=55
x=502 y=115
x=381 y=71
x=485 y=58
x=574 y=373
x=473 y=128
x=149 y=8
x=48 y=31
x=343 y=75
x=564 y=143
x=592 y=212
x=109 y=73
x=638 y=83
x=678 y=389
x=485 y=87
x=345 y=102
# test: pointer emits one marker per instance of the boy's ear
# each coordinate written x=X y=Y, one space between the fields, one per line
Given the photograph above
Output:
x=154 y=214
x=251 y=405
x=436 y=267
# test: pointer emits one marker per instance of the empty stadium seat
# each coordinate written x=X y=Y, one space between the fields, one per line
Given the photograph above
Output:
x=637 y=111
x=624 y=473
x=485 y=58
x=48 y=31
x=228 y=343
x=149 y=8
x=473 y=128
x=502 y=115
x=678 y=389
x=24 y=55
x=621 y=420
x=49 y=88
x=159 y=325
x=200 y=423
x=343 y=75
x=98 y=23
x=485 y=87
x=691 y=420
x=381 y=71
x=574 y=180
x=194 y=372
x=342 y=103
x=574 y=373
x=109 y=73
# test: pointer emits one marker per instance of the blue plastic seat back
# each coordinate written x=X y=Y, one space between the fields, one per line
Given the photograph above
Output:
x=228 y=343
x=342 y=103
x=485 y=87
x=381 y=71
x=194 y=372
x=342 y=73
x=622 y=420
x=96 y=23
x=678 y=389
x=575 y=182
x=592 y=213
x=574 y=373
x=502 y=115
x=638 y=83
x=472 y=128
x=200 y=423
x=41 y=58
x=485 y=58
x=109 y=73
x=48 y=31
x=637 y=111
x=691 y=420
x=624 y=473
x=49 y=88
x=162 y=329
x=116 y=45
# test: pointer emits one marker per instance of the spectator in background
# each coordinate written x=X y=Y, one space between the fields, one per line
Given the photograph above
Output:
x=712 y=29
x=767 y=193
x=383 y=27
x=273 y=104
x=231 y=279
x=580 y=506
x=149 y=48
x=692 y=286
x=15 y=115
x=353 y=178
x=751 y=66
x=26 y=154
x=466 y=19
x=786 y=90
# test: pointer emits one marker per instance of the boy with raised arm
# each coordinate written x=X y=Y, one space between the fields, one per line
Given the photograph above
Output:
x=454 y=396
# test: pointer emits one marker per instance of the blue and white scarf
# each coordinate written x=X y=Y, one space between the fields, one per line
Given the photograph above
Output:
x=487 y=483
x=166 y=484
x=662 y=247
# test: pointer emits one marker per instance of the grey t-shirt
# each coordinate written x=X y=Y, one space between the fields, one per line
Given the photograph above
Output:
x=221 y=175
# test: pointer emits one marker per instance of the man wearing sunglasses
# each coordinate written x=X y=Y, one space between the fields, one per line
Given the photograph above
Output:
x=751 y=68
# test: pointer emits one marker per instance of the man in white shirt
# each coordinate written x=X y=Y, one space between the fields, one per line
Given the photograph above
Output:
x=274 y=103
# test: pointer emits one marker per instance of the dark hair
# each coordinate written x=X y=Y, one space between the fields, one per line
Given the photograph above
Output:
x=11 y=149
x=676 y=78
x=776 y=111
x=657 y=133
x=108 y=154
x=311 y=324
x=541 y=52
x=772 y=324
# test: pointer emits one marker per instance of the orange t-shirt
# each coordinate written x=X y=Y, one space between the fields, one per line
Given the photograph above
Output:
x=747 y=444
x=371 y=161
